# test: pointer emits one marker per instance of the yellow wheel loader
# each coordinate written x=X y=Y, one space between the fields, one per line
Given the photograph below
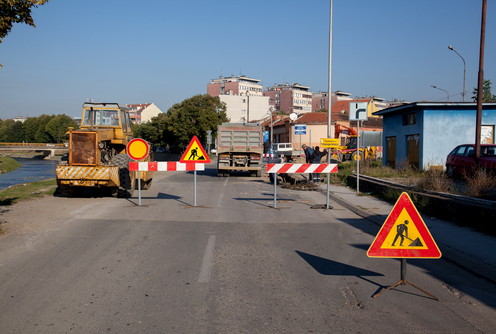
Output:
x=97 y=153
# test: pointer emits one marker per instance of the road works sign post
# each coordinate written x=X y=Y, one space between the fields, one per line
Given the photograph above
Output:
x=404 y=235
x=358 y=113
x=193 y=159
x=329 y=142
x=195 y=153
x=138 y=149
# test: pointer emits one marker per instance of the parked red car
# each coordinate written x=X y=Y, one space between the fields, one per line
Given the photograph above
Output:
x=461 y=161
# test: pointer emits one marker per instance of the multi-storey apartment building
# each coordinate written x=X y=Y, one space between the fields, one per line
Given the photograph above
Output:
x=243 y=97
x=320 y=100
x=235 y=86
x=290 y=98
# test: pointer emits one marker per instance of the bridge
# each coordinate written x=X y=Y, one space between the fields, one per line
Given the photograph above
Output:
x=49 y=149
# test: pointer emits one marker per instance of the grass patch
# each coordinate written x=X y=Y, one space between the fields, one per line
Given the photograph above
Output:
x=8 y=164
x=25 y=191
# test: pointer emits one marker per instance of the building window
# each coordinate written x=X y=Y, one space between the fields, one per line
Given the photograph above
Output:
x=410 y=119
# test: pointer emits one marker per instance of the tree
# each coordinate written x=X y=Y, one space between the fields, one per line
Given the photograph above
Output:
x=146 y=131
x=152 y=131
x=57 y=127
x=194 y=116
x=41 y=136
x=16 y=11
x=31 y=125
x=11 y=131
x=486 y=93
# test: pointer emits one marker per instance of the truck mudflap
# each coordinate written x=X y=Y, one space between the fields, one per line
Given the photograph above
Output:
x=87 y=176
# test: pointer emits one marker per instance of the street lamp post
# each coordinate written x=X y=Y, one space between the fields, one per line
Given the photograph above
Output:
x=444 y=90
x=464 y=70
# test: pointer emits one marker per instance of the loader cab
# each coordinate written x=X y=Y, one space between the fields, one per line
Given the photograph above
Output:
x=351 y=142
x=106 y=115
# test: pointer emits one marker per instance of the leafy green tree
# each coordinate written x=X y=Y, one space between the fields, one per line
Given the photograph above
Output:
x=31 y=125
x=194 y=116
x=16 y=11
x=11 y=131
x=486 y=93
x=57 y=127
x=41 y=136
x=146 y=131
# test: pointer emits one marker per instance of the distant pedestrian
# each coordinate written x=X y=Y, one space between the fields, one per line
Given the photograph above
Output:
x=308 y=157
x=308 y=153
x=316 y=157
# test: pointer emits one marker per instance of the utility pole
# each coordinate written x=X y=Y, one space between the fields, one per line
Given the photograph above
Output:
x=480 y=84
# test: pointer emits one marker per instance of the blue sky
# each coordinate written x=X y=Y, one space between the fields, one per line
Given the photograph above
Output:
x=165 y=51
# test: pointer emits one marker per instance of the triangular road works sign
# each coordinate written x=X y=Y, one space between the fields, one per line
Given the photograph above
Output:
x=404 y=234
x=195 y=153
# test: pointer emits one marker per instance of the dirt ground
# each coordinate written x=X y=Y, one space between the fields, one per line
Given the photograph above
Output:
x=38 y=214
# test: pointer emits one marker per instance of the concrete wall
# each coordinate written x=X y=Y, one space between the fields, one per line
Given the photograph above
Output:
x=314 y=133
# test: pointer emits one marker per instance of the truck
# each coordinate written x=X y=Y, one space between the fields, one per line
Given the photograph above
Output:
x=97 y=155
x=239 y=148
x=286 y=150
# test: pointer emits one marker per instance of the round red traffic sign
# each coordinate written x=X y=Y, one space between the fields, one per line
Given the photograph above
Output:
x=137 y=149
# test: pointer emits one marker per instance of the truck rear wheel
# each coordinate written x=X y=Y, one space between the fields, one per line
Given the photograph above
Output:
x=127 y=182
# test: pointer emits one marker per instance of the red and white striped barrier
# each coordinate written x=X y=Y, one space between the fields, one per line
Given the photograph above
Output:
x=302 y=168
x=267 y=155
x=165 y=166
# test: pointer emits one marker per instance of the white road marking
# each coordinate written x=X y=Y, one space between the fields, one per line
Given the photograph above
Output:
x=221 y=196
x=208 y=260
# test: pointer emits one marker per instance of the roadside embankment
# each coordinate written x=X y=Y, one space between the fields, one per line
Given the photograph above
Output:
x=478 y=214
x=8 y=164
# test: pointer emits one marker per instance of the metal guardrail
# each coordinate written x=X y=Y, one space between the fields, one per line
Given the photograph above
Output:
x=51 y=145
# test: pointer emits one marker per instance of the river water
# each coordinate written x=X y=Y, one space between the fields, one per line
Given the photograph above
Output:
x=31 y=170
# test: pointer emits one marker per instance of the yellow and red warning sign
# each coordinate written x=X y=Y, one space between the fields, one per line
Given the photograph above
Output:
x=195 y=153
x=404 y=234
x=137 y=149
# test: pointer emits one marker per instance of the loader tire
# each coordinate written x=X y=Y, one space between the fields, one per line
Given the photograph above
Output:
x=357 y=155
x=126 y=179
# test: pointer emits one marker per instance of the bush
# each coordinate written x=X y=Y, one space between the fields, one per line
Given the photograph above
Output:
x=480 y=184
x=435 y=180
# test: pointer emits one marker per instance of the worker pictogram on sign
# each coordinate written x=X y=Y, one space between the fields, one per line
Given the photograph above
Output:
x=195 y=152
x=137 y=149
x=404 y=234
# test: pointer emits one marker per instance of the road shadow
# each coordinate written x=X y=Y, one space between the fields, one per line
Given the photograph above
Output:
x=333 y=268
x=437 y=268
x=164 y=196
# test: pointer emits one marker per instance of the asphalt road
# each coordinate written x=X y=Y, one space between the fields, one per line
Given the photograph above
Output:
x=232 y=264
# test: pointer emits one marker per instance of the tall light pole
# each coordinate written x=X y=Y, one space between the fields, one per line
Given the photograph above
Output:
x=444 y=90
x=464 y=70
x=480 y=83
x=329 y=97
